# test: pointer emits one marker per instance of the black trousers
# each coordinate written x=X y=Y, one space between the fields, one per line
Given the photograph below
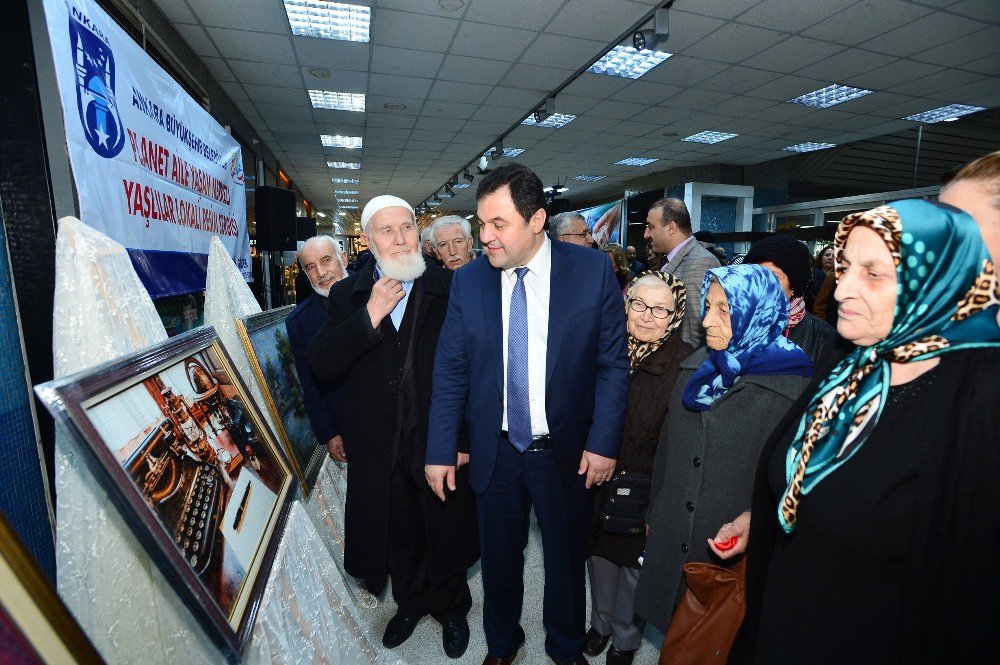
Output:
x=409 y=567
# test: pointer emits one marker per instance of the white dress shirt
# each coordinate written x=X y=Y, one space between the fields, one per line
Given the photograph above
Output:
x=536 y=289
x=672 y=253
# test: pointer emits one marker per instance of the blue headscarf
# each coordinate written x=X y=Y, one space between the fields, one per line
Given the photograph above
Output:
x=758 y=312
x=947 y=297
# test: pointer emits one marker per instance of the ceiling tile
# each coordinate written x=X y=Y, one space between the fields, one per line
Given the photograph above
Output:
x=696 y=99
x=329 y=121
x=891 y=75
x=977 y=94
x=340 y=80
x=280 y=111
x=524 y=100
x=412 y=31
x=472 y=70
x=925 y=33
x=785 y=88
x=792 y=15
x=485 y=126
x=502 y=114
x=389 y=85
x=722 y=8
x=563 y=52
x=404 y=62
x=849 y=62
x=865 y=21
x=513 y=13
x=497 y=42
x=937 y=85
x=235 y=91
x=733 y=43
x=963 y=50
x=595 y=85
x=389 y=120
x=989 y=65
x=270 y=94
x=218 y=68
x=533 y=77
x=266 y=73
x=737 y=79
x=258 y=15
x=984 y=10
x=177 y=11
x=471 y=93
x=647 y=92
x=613 y=108
x=196 y=38
x=741 y=105
x=253 y=46
x=683 y=70
x=792 y=54
x=594 y=124
x=455 y=110
x=424 y=122
x=329 y=53
x=576 y=19
x=438 y=137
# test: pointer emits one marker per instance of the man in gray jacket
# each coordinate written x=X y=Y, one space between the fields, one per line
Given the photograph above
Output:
x=668 y=229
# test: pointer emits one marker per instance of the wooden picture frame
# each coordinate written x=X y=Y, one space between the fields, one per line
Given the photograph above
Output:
x=35 y=625
x=186 y=457
x=265 y=339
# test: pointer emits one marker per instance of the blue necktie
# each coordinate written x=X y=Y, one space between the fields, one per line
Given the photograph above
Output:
x=518 y=405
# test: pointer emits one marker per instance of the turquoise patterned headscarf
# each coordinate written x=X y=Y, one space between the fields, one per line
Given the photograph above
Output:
x=948 y=296
x=758 y=312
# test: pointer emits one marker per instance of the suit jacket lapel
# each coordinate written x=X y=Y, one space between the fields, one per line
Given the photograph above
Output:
x=671 y=267
x=559 y=301
x=494 y=321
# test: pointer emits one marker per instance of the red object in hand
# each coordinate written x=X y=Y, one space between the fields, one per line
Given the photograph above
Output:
x=727 y=544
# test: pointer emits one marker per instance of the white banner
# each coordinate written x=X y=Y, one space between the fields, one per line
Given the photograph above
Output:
x=153 y=169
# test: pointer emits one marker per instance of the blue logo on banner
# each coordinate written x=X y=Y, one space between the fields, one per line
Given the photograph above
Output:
x=95 y=91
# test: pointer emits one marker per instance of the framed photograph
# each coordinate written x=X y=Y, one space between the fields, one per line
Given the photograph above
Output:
x=266 y=341
x=185 y=455
x=35 y=626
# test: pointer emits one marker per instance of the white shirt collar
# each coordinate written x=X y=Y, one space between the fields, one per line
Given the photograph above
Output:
x=540 y=264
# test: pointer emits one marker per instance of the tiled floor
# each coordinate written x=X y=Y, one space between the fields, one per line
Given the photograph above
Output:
x=425 y=644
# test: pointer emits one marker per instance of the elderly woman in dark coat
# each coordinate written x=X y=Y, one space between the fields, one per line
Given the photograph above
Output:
x=727 y=400
x=655 y=305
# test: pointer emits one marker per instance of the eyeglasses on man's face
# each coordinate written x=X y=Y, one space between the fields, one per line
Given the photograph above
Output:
x=584 y=234
x=638 y=306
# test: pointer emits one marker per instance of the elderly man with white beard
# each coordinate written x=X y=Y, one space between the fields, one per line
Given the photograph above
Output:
x=323 y=264
x=381 y=335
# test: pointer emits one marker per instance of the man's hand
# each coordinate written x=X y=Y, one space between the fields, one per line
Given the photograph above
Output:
x=463 y=459
x=335 y=447
x=438 y=476
x=386 y=294
x=597 y=468
x=732 y=537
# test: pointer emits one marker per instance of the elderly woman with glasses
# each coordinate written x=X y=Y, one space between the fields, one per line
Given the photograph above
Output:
x=876 y=512
x=655 y=309
x=727 y=400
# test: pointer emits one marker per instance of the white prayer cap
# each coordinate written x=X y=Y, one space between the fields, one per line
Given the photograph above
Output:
x=380 y=203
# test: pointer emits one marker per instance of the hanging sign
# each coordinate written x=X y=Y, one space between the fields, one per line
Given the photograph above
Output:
x=153 y=169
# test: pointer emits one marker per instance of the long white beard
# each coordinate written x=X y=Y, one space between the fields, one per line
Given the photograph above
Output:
x=405 y=268
x=325 y=292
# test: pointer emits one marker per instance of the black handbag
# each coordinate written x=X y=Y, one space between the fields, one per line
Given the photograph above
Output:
x=626 y=499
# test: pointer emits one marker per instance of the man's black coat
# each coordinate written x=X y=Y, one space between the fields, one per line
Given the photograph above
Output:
x=373 y=409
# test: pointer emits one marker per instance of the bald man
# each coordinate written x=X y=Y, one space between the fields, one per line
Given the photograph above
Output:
x=976 y=190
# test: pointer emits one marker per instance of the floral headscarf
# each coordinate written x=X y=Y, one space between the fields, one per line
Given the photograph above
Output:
x=948 y=294
x=638 y=350
x=758 y=312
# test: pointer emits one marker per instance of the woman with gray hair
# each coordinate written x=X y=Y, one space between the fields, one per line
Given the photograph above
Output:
x=655 y=309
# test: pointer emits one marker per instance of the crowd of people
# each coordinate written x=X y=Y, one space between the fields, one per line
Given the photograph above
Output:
x=673 y=411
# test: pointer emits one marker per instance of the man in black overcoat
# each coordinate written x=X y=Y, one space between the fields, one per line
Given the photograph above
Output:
x=382 y=333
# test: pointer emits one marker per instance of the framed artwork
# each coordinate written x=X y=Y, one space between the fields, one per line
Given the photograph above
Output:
x=186 y=457
x=35 y=625
x=266 y=341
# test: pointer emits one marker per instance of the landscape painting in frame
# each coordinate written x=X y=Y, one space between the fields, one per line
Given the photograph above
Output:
x=187 y=458
x=266 y=341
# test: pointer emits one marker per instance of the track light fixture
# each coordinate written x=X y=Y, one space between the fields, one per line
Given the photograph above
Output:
x=498 y=150
x=650 y=38
x=468 y=176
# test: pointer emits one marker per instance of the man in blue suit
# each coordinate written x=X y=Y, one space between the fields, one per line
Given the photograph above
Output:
x=533 y=355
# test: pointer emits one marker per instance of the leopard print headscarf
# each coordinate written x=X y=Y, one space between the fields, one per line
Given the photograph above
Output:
x=638 y=350
x=948 y=295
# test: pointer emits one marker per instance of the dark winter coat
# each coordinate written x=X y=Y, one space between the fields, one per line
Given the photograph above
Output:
x=649 y=391
x=703 y=477
x=813 y=336
x=374 y=404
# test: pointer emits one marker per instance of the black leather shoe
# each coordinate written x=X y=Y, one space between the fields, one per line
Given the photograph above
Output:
x=455 y=637
x=398 y=630
x=617 y=657
x=595 y=643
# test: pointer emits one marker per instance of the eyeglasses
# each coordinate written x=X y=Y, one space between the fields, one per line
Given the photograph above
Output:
x=639 y=307
x=582 y=235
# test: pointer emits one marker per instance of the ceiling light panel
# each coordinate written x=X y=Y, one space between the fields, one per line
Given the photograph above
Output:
x=433 y=204
x=588 y=178
x=809 y=146
x=628 y=62
x=329 y=20
x=637 y=161
x=337 y=141
x=512 y=152
x=347 y=192
x=338 y=101
x=829 y=96
x=709 y=137
x=343 y=181
x=554 y=121
x=461 y=185
x=945 y=113
x=343 y=165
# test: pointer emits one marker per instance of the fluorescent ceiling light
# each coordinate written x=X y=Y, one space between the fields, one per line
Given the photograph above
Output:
x=338 y=141
x=433 y=203
x=554 y=121
x=347 y=200
x=345 y=191
x=512 y=152
x=627 y=62
x=588 y=178
x=348 y=207
x=338 y=101
x=343 y=181
x=829 y=96
x=344 y=165
x=469 y=216
x=445 y=194
x=637 y=161
x=329 y=20
x=945 y=113
x=809 y=146
x=709 y=137
x=320 y=213
x=461 y=185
